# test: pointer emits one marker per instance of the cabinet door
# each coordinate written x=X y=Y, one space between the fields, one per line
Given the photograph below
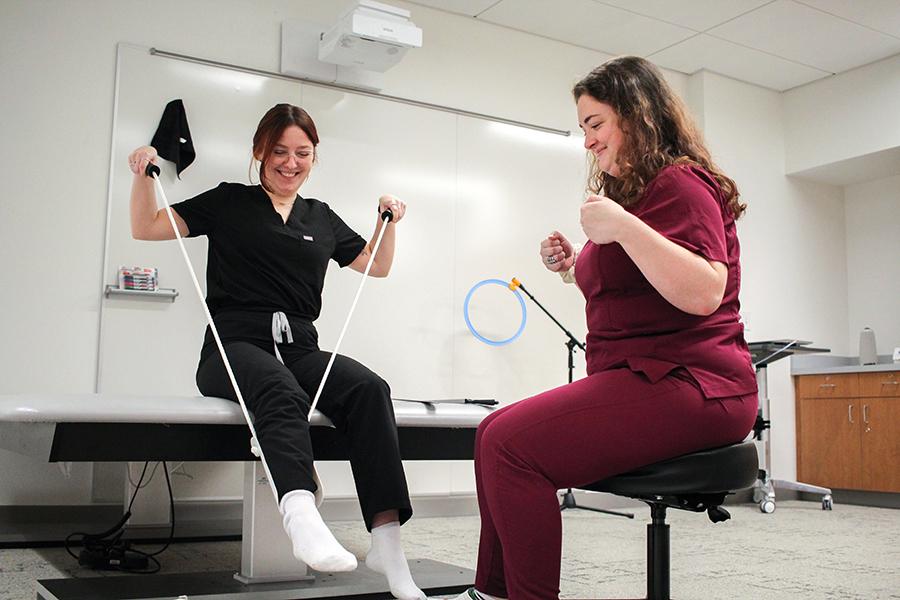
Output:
x=830 y=453
x=880 y=444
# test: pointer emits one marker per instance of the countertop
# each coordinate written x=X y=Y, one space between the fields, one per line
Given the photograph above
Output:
x=818 y=364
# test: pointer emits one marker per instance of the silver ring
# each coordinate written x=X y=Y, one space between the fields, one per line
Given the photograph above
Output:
x=551 y=260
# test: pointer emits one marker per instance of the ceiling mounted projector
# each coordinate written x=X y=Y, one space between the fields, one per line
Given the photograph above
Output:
x=366 y=41
x=371 y=36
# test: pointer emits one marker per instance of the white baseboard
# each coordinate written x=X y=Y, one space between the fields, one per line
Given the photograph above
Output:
x=347 y=509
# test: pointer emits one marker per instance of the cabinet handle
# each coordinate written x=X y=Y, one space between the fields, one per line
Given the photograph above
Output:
x=827 y=385
x=850 y=413
x=890 y=383
x=866 y=414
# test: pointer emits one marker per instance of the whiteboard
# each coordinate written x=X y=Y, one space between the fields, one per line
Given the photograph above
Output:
x=480 y=194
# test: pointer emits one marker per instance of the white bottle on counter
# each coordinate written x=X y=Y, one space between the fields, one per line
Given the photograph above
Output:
x=867 y=353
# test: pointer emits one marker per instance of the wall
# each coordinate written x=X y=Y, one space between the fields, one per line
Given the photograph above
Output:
x=794 y=278
x=873 y=261
x=844 y=117
x=846 y=130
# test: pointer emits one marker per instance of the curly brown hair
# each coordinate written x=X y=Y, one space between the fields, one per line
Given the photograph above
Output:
x=658 y=131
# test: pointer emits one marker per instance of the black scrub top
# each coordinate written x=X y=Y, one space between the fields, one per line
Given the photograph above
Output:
x=258 y=264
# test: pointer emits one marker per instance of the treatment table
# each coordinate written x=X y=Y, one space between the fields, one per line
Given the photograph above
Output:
x=114 y=427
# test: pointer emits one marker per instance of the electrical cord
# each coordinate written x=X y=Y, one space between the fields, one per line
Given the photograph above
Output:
x=173 y=471
x=107 y=550
x=138 y=485
x=115 y=529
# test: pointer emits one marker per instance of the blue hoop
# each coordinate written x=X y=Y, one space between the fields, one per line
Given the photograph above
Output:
x=469 y=323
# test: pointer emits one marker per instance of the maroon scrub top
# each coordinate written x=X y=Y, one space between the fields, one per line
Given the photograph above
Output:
x=631 y=325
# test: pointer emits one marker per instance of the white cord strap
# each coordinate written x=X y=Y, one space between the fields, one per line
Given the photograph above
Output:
x=386 y=216
x=281 y=333
x=254 y=444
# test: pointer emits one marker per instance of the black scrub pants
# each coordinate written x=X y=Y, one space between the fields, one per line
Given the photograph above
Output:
x=356 y=400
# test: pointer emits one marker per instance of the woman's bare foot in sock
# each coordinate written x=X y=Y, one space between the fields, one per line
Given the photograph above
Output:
x=312 y=541
x=386 y=557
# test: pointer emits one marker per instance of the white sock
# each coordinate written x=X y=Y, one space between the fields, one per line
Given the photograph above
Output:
x=312 y=540
x=386 y=556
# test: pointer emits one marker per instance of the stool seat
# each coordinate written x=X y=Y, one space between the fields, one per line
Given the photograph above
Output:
x=712 y=471
x=697 y=482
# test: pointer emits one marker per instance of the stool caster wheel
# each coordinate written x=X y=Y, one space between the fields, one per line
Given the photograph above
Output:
x=827 y=502
x=767 y=506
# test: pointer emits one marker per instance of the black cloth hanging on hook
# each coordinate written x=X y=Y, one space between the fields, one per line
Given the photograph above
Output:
x=172 y=139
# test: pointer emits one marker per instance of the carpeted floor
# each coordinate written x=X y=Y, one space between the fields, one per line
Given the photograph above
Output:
x=799 y=552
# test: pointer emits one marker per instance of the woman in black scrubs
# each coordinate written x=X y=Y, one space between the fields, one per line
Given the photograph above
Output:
x=268 y=252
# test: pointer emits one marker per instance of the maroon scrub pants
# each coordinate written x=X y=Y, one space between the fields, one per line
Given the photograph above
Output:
x=608 y=423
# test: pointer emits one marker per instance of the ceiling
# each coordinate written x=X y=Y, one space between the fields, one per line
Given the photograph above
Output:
x=778 y=44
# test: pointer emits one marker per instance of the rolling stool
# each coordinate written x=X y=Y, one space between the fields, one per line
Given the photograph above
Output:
x=697 y=482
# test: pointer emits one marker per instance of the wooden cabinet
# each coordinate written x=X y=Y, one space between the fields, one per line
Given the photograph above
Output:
x=848 y=430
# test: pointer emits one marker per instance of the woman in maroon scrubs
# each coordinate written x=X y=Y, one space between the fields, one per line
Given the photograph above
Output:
x=668 y=370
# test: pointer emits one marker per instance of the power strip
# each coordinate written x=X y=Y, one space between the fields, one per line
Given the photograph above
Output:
x=114 y=558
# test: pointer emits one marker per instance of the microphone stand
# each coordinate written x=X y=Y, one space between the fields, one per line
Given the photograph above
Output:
x=568 y=500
